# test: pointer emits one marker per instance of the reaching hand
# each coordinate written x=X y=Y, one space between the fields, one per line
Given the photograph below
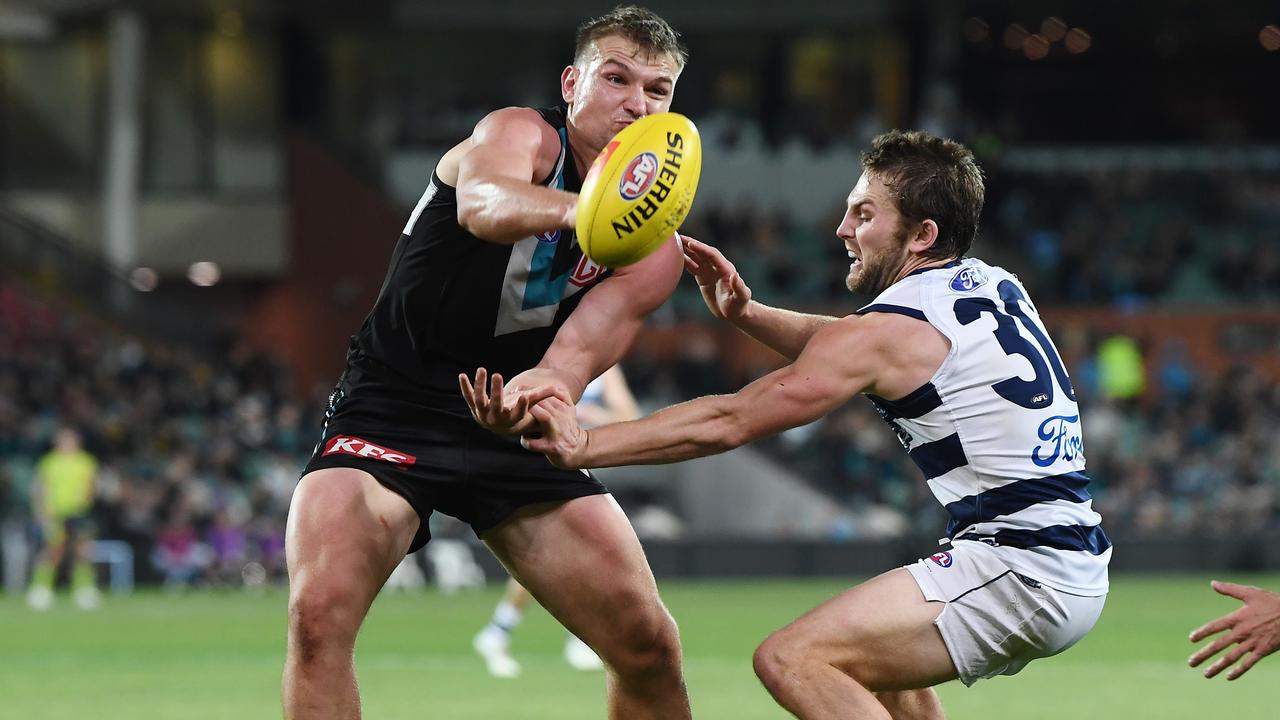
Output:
x=1254 y=629
x=499 y=410
x=562 y=439
x=722 y=287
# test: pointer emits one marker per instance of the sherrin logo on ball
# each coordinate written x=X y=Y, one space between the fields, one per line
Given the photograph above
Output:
x=639 y=189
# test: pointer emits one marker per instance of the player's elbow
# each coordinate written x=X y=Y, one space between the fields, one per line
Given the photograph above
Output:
x=476 y=216
x=731 y=429
x=480 y=213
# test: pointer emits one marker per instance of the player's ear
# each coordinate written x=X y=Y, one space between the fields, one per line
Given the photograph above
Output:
x=569 y=82
x=926 y=236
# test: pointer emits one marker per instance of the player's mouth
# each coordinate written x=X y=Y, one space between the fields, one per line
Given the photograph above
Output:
x=856 y=260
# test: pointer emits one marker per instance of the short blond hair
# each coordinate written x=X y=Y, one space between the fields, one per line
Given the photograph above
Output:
x=641 y=26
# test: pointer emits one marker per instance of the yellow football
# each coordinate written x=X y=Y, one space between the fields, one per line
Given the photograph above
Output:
x=639 y=189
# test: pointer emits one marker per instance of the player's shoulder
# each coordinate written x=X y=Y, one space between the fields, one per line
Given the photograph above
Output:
x=881 y=327
x=515 y=123
x=509 y=134
x=851 y=336
x=879 y=333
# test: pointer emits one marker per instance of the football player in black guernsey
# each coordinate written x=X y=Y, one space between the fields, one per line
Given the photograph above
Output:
x=488 y=274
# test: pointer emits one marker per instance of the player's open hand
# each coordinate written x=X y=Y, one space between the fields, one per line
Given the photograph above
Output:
x=723 y=289
x=560 y=436
x=500 y=409
x=1254 y=630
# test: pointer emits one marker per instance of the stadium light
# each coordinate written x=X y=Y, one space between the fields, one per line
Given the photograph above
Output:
x=204 y=273
x=1036 y=47
x=1077 y=40
x=1269 y=37
x=1053 y=28
x=1014 y=36
x=144 y=279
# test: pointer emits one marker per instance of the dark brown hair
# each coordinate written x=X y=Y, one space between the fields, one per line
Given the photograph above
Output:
x=641 y=26
x=931 y=178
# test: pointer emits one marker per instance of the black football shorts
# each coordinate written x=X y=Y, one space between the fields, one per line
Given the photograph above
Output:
x=437 y=459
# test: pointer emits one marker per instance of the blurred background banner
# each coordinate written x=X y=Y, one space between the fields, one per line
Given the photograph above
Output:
x=198 y=200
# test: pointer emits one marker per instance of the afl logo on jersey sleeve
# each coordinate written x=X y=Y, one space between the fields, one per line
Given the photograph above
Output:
x=550 y=237
x=638 y=176
x=967 y=279
x=942 y=559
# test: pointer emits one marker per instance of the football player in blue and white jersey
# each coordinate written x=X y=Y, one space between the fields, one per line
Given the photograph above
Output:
x=953 y=354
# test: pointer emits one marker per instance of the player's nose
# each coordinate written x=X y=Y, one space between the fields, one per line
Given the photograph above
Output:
x=844 y=230
x=635 y=103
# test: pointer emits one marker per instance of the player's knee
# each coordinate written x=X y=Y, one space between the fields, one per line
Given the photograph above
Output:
x=647 y=644
x=323 y=617
x=780 y=662
x=774 y=662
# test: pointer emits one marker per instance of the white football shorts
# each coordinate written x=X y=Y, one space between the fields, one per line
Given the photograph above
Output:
x=995 y=620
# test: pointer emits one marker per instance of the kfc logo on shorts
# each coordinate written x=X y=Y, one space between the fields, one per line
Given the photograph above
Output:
x=363 y=448
x=638 y=176
x=943 y=559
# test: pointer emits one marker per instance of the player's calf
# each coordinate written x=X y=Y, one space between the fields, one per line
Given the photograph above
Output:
x=920 y=704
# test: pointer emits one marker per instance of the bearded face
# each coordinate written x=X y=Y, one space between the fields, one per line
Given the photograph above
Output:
x=878 y=267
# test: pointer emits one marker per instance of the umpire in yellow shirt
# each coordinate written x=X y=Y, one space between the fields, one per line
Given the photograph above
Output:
x=61 y=498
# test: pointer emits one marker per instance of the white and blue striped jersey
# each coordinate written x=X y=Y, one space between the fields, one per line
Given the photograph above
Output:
x=997 y=431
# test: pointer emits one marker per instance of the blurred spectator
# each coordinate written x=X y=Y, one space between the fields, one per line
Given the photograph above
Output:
x=228 y=545
x=179 y=554
x=208 y=438
x=61 y=499
x=1122 y=374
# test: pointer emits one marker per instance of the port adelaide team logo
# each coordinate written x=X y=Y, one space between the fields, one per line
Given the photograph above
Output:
x=638 y=176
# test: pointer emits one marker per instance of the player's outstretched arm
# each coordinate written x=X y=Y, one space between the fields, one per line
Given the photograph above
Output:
x=728 y=297
x=838 y=363
x=1254 y=630
x=511 y=150
x=601 y=329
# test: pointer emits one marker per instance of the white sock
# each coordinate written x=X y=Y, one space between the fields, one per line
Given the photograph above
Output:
x=506 y=617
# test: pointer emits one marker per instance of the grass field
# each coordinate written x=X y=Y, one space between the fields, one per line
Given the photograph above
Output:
x=211 y=655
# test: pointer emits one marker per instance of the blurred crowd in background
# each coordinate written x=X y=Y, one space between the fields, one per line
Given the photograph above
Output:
x=197 y=456
x=199 y=447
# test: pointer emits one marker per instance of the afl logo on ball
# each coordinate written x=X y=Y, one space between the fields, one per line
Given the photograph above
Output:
x=943 y=559
x=638 y=176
